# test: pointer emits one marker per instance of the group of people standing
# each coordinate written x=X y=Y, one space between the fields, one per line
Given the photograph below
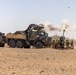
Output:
x=61 y=43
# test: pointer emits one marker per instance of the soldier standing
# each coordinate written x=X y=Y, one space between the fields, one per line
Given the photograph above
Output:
x=67 y=44
x=57 y=44
x=72 y=45
x=62 y=42
x=53 y=43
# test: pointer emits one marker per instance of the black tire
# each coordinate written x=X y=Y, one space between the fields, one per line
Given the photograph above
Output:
x=2 y=45
x=27 y=46
x=39 y=45
x=19 y=44
x=12 y=43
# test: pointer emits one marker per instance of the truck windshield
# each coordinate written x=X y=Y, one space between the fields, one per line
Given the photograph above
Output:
x=43 y=34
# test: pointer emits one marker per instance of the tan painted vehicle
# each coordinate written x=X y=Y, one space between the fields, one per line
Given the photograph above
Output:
x=16 y=39
x=2 y=39
x=32 y=36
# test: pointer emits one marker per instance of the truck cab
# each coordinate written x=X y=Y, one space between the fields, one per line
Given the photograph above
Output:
x=38 y=38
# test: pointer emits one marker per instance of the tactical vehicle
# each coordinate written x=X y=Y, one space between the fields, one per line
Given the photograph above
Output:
x=2 y=39
x=34 y=36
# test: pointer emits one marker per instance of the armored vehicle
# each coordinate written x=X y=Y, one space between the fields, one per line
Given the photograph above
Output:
x=34 y=36
x=2 y=39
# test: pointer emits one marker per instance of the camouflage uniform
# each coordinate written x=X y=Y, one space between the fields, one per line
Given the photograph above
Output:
x=53 y=43
x=57 y=44
x=67 y=44
x=62 y=42
x=72 y=45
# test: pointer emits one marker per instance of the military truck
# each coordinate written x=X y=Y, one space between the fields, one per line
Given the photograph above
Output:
x=2 y=39
x=34 y=36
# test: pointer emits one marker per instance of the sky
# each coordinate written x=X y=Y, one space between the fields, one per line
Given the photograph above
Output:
x=18 y=14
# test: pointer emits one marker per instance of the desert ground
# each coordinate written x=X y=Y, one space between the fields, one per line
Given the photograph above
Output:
x=17 y=61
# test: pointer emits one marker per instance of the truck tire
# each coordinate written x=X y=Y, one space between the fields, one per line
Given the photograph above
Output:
x=39 y=45
x=19 y=44
x=2 y=45
x=12 y=43
x=27 y=46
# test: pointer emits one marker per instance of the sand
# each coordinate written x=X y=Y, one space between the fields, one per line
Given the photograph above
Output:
x=14 y=61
